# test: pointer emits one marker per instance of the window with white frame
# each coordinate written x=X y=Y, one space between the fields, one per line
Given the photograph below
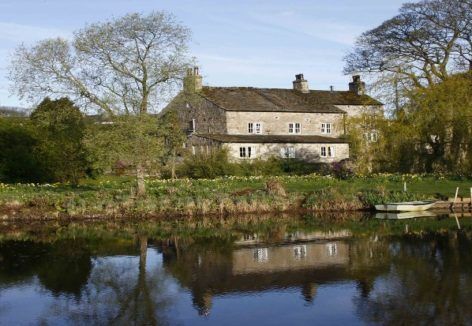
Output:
x=246 y=152
x=371 y=137
x=254 y=128
x=330 y=151
x=287 y=152
x=326 y=128
x=258 y=129
x=192 y=125
x=327 y=151
x=294 y=128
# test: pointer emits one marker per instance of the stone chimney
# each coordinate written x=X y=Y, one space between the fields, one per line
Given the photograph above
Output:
x=357 y=85
x=300 y=84
x=192 y=81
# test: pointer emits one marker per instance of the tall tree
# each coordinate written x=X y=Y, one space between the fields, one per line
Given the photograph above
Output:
x=133 y=139
x=174 y=139
x=123 y=65
x=60 y=129
x=420 y=46
x=19 y=161
x=441 y=117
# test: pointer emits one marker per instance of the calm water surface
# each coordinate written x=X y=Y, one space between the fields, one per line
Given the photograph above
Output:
x=275 y=277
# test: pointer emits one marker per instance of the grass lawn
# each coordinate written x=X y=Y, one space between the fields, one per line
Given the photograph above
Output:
x=110 y=195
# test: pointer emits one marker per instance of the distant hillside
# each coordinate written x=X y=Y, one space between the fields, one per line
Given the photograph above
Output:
x=11 y=111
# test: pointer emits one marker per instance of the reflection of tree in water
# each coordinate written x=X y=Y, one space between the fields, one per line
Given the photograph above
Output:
x=20 y=260
x=66 y=268
x=120 y=291
x=429 y=282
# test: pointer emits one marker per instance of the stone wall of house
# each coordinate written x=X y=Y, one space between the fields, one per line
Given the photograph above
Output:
x=209 y=118
x=276 y=123
x=201 y=145
x=358 y=110
x=306 y=152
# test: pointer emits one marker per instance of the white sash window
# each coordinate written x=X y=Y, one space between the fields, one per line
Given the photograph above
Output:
x=254 y=128
x=294 y=128
x=246 y=152
x=326 y=128
x=327 y=151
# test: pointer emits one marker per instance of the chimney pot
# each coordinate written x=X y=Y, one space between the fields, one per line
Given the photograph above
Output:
x=357 y=85
x=300 y=84
x=193 y=80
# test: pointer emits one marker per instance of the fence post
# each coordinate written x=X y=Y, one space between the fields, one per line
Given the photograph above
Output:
x=455 y=199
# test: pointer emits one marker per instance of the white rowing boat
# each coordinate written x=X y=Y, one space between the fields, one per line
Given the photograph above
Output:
x=411 y=206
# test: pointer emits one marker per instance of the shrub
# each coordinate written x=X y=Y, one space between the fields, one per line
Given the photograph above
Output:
x=275 y=188
x=343 y=170
x=331 y=199
x=370 y=198
x=207 y=166
x=19 y=161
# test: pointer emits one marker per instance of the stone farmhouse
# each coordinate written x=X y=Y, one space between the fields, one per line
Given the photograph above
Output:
x=258 y=123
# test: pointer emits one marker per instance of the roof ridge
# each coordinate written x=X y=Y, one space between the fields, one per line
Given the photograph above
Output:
x=277 y=88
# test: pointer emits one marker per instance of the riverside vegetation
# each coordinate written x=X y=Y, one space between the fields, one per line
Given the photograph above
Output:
x=115 y=196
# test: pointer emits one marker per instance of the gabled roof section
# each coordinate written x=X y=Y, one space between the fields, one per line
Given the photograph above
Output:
x=271 y=139
x=283 y=100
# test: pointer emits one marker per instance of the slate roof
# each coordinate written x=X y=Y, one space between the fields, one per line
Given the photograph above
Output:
x=271 y=139
x=280 y=100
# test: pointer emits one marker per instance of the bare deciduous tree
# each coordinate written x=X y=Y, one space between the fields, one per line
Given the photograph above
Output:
x=123 y=65
x=421 y=46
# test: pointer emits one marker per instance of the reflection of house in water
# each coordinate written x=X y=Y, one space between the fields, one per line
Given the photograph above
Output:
x=298 y=236
x=262 y=267
x=290 y=257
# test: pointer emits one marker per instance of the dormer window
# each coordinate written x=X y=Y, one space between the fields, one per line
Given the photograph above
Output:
x=294 y=128
x=326 y=128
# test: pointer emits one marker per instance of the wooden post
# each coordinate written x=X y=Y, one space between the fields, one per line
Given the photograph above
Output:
x=455 y=198
x=404 y=186
x=470 y=204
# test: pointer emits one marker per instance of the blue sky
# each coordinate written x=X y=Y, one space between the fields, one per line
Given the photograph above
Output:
x=237 y=43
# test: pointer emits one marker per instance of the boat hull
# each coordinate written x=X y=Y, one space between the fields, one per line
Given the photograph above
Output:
x=405 y=207
x=403 y=215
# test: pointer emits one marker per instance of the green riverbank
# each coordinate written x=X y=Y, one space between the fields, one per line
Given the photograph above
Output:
x=263 y=227
x=114 y=197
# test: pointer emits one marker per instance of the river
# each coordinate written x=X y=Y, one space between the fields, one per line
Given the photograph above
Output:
x=297 y=271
